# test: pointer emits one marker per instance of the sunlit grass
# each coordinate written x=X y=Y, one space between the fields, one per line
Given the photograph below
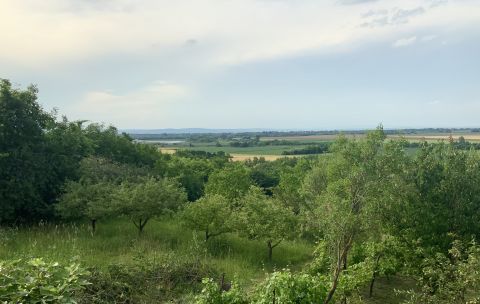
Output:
x=118 y=241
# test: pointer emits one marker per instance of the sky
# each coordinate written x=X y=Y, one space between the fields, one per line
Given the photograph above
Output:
x=273 y=64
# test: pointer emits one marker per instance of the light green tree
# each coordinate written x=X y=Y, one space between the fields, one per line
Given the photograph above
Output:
x=211 y=214
x=232 y=182
x=149 y=199
x=361 y=181
x=85 y=200
x=262 y=218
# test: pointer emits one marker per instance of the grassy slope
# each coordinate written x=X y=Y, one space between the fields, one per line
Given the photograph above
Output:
x=117 y=241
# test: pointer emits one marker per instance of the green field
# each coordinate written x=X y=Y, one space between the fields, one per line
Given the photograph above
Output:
x=262 y=150
x=304 y=141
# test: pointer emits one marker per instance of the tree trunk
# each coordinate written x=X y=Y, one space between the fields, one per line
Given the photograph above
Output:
x=207 y=236
x=344 y=300
x=374 y=276
x=341 y=265
x=140 y=225
x=370 y=292
x=94 y=225
x=270 y=250
x=336 y=276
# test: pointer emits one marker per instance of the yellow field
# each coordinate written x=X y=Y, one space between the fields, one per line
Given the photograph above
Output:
x=243 y=157
x=326 y=137
x=417 y=137
x=168 y=150
x=468 y=137
x=237 y=157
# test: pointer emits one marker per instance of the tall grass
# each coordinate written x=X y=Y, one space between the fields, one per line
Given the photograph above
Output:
x=118 y=242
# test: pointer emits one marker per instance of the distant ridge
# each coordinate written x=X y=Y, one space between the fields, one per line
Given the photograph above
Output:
x=259 y=130
x=193 y=131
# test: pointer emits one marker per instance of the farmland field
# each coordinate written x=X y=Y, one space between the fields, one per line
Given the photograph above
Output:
x=410 y=137
x=273 y=152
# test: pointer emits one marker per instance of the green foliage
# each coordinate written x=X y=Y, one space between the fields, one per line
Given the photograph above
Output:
x=262 y=218
x=191 y=173
x=265 y=174
x=310 y=149
x=37 y=281
x=152 y=198
x=161 y=279
x=288 y=288
x=213 y=294
x=107 y=143
x=97 y=170
x=283 y=287
x=445 y=197
x=37 y=155
x=211 y=214
x=84 y=200
x=450 y=279
x=288 y=191
x=232 y=182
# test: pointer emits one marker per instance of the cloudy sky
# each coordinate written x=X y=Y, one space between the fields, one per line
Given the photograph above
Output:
x=288 y=64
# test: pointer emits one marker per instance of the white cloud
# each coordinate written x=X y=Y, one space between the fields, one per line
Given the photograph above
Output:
x=148 y=104
x=49 y=32
x=429 y=38
x=404 y=42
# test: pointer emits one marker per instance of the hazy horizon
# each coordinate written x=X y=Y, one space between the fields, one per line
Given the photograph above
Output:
x=263 y=64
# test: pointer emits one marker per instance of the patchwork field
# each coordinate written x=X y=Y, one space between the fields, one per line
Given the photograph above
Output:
x=468 y=137
x=272 y=152
x=412 y=137
x=251 y=151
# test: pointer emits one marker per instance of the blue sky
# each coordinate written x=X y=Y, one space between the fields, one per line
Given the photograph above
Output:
x=283 y=64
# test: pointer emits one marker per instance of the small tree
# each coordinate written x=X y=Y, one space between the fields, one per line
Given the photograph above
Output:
x=144 y=201
x=90 y=201
x=265 y=219
x=361 y=180
x=211 y=214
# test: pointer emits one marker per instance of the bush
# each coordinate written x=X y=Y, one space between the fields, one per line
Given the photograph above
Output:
x=37 y=281
x=148 y=280
x=288 y=288
x=113 y=285
x=449 y=279
x=212 y=293
x=282 y=287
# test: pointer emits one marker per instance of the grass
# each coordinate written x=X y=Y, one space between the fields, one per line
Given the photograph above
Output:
x=384 y=290
x=118 y=242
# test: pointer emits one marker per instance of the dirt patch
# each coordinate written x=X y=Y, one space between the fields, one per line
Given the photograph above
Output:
x=168 y=150
x=244 y=157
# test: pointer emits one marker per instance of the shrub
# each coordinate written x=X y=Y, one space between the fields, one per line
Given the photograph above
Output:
x=449 y=279
x=212 y=293
x=157 y=280
x=288 y=288
x=282 y=287
x=37 y=281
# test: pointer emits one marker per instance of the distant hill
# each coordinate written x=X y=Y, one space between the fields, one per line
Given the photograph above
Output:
x=192 y=131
